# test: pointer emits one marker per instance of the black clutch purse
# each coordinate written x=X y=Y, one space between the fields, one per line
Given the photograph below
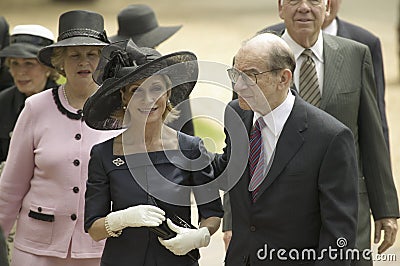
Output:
x=165 y=232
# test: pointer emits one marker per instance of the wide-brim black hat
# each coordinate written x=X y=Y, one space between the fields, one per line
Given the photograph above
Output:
x=123 y=63
x=139 y=23
x=76 y=28
x=26 y=41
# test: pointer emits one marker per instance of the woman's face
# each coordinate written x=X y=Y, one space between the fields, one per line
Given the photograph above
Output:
x=80 y=62
x=29 y=75
x=147 y=99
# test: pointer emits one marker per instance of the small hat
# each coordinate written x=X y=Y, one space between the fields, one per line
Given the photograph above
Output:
x=27 y=40
x=123 y=63
x=139 y=23
x=76 y=28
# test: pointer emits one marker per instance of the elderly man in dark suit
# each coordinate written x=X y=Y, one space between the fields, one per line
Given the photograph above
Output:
x=347 y=87
x=300 y=195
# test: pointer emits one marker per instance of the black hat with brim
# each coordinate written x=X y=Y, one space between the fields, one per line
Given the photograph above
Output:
x=26 y=41
x=46 y=53
x=76 y=28
x=139 y=23
x=151 y=38
x=20 y=50
x=122 y=64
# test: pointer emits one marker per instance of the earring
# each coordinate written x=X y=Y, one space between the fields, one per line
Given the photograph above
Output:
x=123 y=107
x=47 y=74
x=61 y=68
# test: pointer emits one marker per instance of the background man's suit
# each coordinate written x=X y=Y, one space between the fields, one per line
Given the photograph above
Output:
x=309 y=197
x=356 y=33
x=349 y=95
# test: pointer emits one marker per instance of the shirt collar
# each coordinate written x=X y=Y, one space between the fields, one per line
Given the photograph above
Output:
x=332 y=28
x=276 y=119
x=317 y=48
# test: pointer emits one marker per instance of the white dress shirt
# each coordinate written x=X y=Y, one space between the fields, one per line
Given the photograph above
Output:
x=318 y=51
x=275 y=120
x=332 y=28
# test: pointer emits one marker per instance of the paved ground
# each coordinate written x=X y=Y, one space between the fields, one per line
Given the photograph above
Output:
x=214 y=30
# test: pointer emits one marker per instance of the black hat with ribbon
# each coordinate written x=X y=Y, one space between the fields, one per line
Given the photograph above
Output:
x=123 y=63
x=76 y=28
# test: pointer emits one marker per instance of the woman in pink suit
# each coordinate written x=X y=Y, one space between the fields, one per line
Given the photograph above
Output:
x=43 y=182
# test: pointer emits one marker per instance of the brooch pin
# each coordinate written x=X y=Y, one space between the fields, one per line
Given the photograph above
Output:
x=118 y=162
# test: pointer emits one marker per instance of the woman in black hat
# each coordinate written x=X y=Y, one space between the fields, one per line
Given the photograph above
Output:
x=30 y=76
x=138 y=191
x=43 y=181
x=139 y=23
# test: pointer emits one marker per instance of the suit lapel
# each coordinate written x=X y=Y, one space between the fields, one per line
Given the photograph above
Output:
x=243 y=183
x=333 y=61
x=289 y=142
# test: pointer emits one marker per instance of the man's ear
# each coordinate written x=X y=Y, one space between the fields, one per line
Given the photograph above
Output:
x=280 y=9
x=285 y=78
x=328 y=8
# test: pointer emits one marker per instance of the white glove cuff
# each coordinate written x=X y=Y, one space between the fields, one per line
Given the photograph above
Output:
x=111 y=226
x=205 y=236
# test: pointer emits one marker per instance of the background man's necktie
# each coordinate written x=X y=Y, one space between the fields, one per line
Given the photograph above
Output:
x=256 y=157
x=308 y=79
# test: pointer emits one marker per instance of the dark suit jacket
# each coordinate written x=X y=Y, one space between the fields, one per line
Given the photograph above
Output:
x=309 y=197
x=3 y=250
x=356 y=33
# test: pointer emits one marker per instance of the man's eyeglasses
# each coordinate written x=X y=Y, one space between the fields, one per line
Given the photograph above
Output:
x=249 y=79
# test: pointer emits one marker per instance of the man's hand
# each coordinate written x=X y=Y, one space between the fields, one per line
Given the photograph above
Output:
x=227 y=238
x=389 y=226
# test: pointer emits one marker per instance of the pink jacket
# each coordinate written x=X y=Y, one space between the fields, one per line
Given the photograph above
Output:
x=45 y=176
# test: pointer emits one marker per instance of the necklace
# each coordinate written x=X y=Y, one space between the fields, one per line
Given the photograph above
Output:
x=75 y=116
x=65 y=94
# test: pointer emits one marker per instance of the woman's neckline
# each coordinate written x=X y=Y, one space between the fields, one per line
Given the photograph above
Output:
x=63 y=106
x=178 y=134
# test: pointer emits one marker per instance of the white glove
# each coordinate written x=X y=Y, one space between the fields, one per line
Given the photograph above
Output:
x=136 y=216
x=186 y=239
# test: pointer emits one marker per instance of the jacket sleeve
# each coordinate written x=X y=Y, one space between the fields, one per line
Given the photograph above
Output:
x=375 y=156
x=19 y=168
x=376 y=53
x=97 y=195
x=206 y=189
x=338 y=197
